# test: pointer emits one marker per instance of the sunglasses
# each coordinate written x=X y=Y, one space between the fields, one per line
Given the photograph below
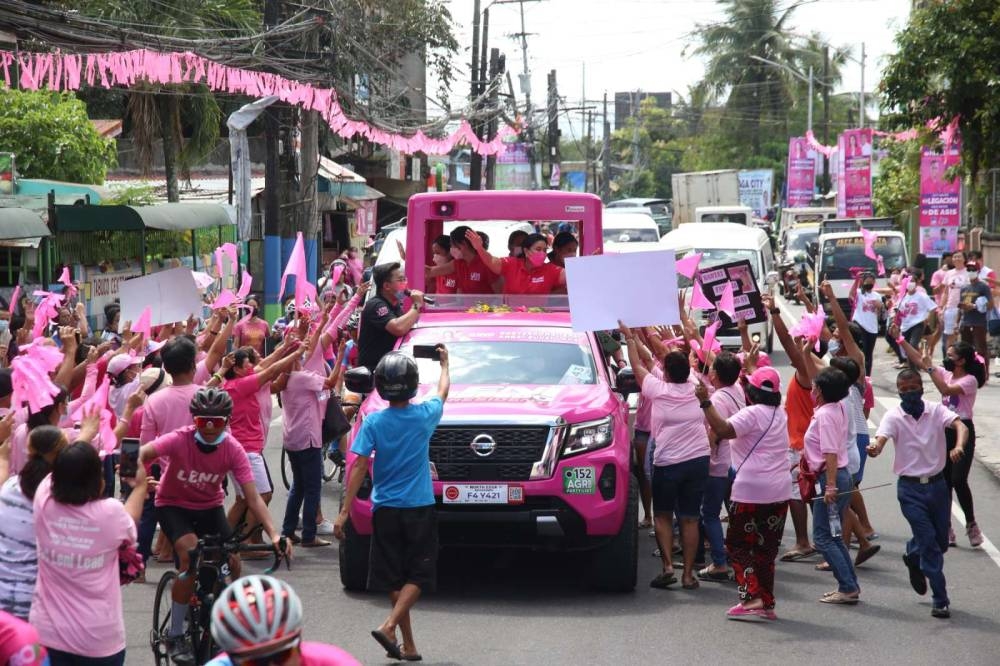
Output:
x=210 y=421
x=273 y=659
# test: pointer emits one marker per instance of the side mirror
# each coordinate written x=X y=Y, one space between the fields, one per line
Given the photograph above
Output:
x=772 y=278
x=359 y=380
x=625 y=382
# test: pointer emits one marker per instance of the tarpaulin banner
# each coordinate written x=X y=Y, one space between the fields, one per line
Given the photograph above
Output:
x=940 y=200
x=756 y=188
x=857 y=159
x=801 y=172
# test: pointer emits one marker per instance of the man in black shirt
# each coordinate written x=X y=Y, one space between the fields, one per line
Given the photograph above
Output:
x=383 y=320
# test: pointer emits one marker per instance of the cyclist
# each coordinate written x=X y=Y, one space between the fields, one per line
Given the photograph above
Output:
x=189 y=498
x=258 y=620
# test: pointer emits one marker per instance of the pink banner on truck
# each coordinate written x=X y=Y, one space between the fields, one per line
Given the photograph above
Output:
x=940 y=201
x=857 y=160
x=801 y=172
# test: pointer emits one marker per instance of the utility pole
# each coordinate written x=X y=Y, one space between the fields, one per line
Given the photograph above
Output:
x=861 y=97
x=272 y=263
x=586 y=154
x=553 y=136
x=525 y=79
x=476 y=160
x=497 y=66
x=825 y=186
x=606 y=156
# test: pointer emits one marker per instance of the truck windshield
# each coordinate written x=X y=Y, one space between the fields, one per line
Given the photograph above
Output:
x=631 y=235
x=510 y=362
x=735 y=218
x=840 y=255
x=797 y=240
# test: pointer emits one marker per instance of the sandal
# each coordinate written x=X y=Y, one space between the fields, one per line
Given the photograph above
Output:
x=866 y=554
x=796 y=555
x=693 y=585
x=664 y=580
x=713 y=576
x=841 y=598
x=822 y=566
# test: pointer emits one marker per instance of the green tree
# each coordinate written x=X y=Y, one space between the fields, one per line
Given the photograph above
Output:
x=946 y=67
x=644 y=152
x=897 y=189
x=52 y=137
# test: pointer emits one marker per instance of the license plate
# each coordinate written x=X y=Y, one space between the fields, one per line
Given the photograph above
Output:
x=579 y=480
x=482 y=493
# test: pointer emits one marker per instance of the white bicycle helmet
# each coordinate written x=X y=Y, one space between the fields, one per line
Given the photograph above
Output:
x=257 y=614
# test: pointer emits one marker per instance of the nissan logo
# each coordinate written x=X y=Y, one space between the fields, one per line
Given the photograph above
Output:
x=483 y=445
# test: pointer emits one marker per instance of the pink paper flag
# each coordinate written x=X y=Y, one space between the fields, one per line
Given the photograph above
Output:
x=143 y=323
x=15 y=299
x=869 y=237
x=67 y=280
x=726 y=302
x=688 y=266
x=709 y=337
x=903 y=284
x=338 y=270
x=229 y=250
x=297 y=266
x=30 y=376
x=225 y=299
x=245 y=284
x=881 y=266
x=698 y=299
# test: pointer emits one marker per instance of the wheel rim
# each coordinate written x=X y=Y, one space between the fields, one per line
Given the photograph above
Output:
x=286 y=473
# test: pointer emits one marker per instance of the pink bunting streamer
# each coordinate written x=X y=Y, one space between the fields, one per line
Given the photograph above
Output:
x=698 y=298
x=46 y=311
x=727 y=302
x=945 y=134
x=30 y=376
x=58 y=71
x=688 y=266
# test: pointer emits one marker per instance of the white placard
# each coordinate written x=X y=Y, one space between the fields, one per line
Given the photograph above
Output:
x=172 y=295
x=640 y=288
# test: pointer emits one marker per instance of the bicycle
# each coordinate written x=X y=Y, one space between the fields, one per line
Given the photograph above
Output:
x=209 y=564
x=331 y=469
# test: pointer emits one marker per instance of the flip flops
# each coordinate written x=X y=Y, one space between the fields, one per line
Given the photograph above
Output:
x=839 y=598
x=663 y=581
x=713 y=576
x=796 y=555
x=390 y=646
x=866 y=554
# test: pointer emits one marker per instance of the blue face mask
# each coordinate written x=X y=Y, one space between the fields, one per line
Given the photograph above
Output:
x=204 y=444
x=833 y=347
x=912 y=402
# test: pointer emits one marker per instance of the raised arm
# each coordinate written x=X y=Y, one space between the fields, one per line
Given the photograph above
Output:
x=493 y=263
x=844 y=326
x=633 y=353
x=719 y=425
x=444 y=381
x=218 y=348
x=793 y=351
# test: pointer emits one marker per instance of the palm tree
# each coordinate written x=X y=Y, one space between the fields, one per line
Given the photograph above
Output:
x=168 y=113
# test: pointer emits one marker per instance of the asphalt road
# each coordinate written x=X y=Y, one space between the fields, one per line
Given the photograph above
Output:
x=496 y=607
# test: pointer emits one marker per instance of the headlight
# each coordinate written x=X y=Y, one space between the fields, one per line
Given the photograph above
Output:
x=589 y=436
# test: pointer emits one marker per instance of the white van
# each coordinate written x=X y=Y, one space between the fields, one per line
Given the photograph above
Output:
x=627 y=230
x=496 y=230
x=735 y=214
x=723 y=243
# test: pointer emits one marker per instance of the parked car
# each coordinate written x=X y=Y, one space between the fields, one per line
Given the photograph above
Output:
x=659 y=209
x=630 y=231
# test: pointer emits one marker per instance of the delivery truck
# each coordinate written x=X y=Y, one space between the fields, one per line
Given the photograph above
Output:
x=700 y=189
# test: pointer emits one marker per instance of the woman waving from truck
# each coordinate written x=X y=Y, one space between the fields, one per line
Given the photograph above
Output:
x=527 y=274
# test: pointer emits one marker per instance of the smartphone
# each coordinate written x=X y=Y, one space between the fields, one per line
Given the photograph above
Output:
x=129 y=463
x=426 y=351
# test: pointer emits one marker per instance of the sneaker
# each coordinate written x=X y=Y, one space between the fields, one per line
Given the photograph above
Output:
x=942 y=612
x=952 y=541
x=179 y=649
x=975 y=535
x=739 y=613
x=769 y=614
x=917 y=579
x=325 y=528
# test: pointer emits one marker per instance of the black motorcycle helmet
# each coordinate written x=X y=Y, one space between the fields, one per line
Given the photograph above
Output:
x=396 y=377
x=211 y=402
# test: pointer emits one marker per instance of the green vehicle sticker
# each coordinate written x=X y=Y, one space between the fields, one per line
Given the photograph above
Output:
x=579 y=481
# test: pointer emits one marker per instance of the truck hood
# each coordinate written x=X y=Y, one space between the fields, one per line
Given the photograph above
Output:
x=572 y=403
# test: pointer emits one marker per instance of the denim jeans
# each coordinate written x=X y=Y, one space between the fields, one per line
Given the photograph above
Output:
x=927 y=508
x=60 y=658
x=833 y=549
x=711 y=504
x=307 y=480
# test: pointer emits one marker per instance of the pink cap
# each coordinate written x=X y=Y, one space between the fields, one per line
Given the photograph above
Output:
x=766 y=379
x=121 y=362
x=763 y=360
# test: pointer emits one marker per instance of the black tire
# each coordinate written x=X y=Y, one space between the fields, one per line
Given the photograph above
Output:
x=355 y=550
x=286 y=470
x=615 y=565
x=769 y=342
x=161 y=618
x=329 y=467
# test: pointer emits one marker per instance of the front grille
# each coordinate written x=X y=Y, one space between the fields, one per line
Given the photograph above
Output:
x=517 y=449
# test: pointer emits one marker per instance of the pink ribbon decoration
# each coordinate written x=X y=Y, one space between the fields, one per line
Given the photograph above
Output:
x=67 y=280
x=245 y=284
x=15 y=299
x=143 y=325
x=727 y=303
x=698 y=298
x=30 y=376
x=46 y=311
x=688 y=266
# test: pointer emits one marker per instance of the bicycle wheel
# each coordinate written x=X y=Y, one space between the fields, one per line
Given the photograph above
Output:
x=286 y=470
x=330 y=468
x=161 y=618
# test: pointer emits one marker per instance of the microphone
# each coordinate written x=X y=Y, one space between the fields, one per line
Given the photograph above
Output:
x=427 y=299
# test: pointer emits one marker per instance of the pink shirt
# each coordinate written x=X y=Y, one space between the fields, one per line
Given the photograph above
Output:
x=920 y=444
x=727 y=401
x=19 y=446
x=77 y=606
x=251 y=333
x=245 y=421
x=678 y=425
x=19 y=644
x=303 y=405
x=760 y=454
x=192 y=479
x=644 y=408
x=201 y=373
x=937 y=279
x=964 y=403
x=954 y=280
x=166 y=411
x=827 y=433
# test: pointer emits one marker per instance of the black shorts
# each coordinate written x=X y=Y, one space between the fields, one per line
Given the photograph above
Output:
x=678 y=488
x=177 y=521
x=404 y=549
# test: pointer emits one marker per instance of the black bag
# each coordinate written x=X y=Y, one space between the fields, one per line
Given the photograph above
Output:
x=335 y=424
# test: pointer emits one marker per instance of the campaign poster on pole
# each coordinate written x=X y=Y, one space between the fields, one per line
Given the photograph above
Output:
x=801 y=172
x=841 y=180
x=748 y=303
x=756 y=190
x=940 y=201
x=857 y=146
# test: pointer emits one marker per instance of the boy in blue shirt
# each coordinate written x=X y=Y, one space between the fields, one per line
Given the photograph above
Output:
x=404 y=525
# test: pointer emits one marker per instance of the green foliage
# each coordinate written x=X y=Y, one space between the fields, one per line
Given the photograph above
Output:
x=946 y=67
x=644 y=149
x=897 y=189
x=133 y=195
x=52 y=137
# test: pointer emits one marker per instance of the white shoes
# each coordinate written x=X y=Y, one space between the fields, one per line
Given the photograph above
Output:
x=325 y=528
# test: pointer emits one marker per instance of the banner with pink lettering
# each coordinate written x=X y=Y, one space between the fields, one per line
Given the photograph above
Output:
x=857 y=159
x=801 y=172
x=940 y=200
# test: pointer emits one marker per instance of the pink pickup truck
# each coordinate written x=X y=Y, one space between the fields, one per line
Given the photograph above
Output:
x=533 y=449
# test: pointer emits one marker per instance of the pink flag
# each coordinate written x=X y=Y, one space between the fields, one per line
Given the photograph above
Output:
x=688 y=266
x=230 y=251
x=225 y=299
x=67 y=280
x=881 y=266
x=297 y=266
x=143 y=323
x=726 y=303
x=903 y=284
x=338 y=270
x=99 y=401
x=698 y=299
x=15 y=299
x=245 y=284
x=869 y=237
x=709 y=336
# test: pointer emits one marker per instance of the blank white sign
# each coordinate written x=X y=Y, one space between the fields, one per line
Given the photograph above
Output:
x=172 y=295
x=640 y=288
